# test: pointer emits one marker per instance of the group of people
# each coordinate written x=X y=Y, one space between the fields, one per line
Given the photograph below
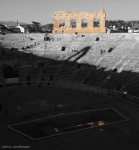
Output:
x=102 y=51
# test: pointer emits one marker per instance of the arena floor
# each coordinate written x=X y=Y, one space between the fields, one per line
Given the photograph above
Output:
x=68 y=123
x=120 y=136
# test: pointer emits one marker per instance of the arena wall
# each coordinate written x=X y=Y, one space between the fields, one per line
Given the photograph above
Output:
x=67 y=16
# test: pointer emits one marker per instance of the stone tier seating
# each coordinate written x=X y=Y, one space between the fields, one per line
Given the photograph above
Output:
x=115 y=81
x=80 y=75
x=95 y=77
x=123 y=57
x=132 y=86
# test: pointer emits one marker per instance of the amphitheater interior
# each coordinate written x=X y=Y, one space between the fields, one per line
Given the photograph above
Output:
x=101 y=65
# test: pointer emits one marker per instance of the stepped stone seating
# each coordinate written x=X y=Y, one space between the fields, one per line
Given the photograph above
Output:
x=95 y=77
x=115 y=81
x=21 y=40
x=80 y=75
x=50 y=70
x=129 y=59
x=132 y=87
x=66 y=74
x=114 y=59
x=123 y=57
x=136 y=67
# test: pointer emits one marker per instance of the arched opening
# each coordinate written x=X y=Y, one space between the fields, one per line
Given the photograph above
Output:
x=84 y=23
x=96 y=22
x=63 y=48
x=73 y=23
x=10 y=72
x=28 y=80
x=97 y=39
x=0 y=107
x=51 y=78
x=61 y=23
x=115 y=70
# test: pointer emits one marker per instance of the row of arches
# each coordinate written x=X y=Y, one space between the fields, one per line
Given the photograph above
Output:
x=84 y=23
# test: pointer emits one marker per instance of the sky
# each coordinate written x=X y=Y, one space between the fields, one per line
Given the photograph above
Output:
x=42 y=10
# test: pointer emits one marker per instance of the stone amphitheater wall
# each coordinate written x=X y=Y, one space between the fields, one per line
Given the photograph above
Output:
x=67 y=16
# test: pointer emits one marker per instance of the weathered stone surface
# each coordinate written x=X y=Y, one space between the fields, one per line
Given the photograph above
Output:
x=67 y=16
